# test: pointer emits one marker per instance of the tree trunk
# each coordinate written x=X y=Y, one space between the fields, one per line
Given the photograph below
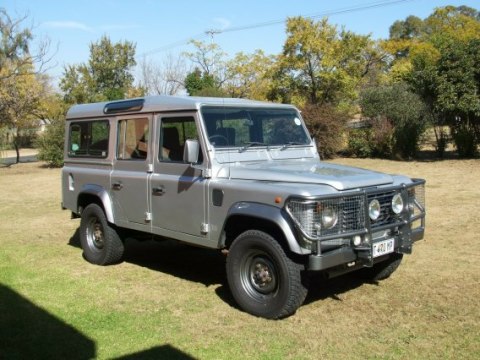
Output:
x=17 y=150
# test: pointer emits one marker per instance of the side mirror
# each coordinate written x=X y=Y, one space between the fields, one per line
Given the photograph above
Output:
x=191 y=151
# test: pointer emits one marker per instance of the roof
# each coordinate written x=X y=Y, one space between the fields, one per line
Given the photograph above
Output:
x=160 y=104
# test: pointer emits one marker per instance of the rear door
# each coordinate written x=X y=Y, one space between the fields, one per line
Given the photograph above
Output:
x=131 y=169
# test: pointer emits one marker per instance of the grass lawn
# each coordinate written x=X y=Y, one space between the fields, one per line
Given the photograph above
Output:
x=171 y=301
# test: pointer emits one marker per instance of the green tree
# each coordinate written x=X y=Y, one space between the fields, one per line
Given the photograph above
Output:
x=198 y=83
x=50 y=144
x=321 y=64
x=21 y=80
x=395 y=113
x=209 y=75
x=106 y=76
x=248 y=75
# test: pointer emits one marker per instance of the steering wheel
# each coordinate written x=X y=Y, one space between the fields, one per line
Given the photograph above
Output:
x=218 y=136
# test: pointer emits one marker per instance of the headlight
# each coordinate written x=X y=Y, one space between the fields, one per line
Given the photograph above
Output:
x=397 y=203
x=374 y=209
x=329 y=217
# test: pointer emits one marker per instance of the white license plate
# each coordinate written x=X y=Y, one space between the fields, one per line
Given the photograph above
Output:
x=383 y=247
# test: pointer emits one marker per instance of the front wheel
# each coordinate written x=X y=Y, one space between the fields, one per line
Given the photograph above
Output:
x=100 y=242
x=263 y=280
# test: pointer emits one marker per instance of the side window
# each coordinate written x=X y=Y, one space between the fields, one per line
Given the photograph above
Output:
x=88 y=139
x=174 y=132
x=132 y=139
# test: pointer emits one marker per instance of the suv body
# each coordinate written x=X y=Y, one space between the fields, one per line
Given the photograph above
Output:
x=237 y=175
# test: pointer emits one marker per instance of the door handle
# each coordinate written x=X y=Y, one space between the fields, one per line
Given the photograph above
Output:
x=117 y=186
x=158 y=191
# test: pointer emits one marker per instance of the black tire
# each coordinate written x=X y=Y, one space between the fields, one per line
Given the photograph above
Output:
x=263 y=280
x=383 y=270
x=100 y=242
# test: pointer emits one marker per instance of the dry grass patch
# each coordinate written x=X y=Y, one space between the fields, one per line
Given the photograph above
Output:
x=172 y=300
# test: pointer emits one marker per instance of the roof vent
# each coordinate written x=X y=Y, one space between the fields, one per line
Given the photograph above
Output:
x=124 y=106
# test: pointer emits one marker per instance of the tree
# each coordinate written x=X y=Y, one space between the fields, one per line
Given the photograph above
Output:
x=106 y=76
x=21 y=79
x=16 y=56
x=209 y=74
x=320 y=64
x=198 y=83
x=411 y=27
x=248 y=75
x=166 y=78
x=400 y=110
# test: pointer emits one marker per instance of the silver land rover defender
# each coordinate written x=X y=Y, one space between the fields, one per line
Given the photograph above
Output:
x=240 y=176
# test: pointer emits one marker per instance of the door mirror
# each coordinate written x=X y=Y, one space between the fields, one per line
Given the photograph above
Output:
x=191 y=151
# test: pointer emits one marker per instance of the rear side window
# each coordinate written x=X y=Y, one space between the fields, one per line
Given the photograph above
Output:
x=88 y=139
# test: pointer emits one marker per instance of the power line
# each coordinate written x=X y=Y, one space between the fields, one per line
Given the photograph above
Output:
x=212 y=32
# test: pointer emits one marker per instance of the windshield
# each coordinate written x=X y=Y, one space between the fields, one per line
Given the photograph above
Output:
x=248 y=127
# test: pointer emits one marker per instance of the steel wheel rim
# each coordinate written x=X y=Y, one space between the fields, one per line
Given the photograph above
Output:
x=95 y=235
x=258 y=275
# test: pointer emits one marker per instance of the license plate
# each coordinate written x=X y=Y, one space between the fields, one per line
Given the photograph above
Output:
x=383 y=247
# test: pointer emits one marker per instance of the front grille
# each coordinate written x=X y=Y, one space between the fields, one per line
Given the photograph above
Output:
x=352 y=211
x=308 y=215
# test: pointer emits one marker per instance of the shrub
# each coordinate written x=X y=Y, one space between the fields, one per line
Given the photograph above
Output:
x=399 y=116
x=50 y=143
x=327 y=126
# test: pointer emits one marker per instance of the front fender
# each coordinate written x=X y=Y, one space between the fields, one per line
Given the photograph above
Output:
x=273 y=214
x=100 y=193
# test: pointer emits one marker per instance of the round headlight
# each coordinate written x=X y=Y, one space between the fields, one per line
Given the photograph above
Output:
x=374 y=209
x=329 y=218
x=397 y=204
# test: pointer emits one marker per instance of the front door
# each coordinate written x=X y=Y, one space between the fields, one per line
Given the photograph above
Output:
x=178 y=190
x=129 y=180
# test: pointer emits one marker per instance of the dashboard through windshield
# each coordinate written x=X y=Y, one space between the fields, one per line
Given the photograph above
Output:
x=252 y=127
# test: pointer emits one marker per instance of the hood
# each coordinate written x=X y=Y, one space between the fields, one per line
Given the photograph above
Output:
x=339 y=177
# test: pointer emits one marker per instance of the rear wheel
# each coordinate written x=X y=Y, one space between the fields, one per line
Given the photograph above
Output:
x=383 y=270
x=100 y=242
x=263 y=280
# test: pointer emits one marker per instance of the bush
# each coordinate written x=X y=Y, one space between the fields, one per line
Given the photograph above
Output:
x=465 y=140
x=327 y=126
x=359 y=143
x=374 y=140
x=50 y=144
x=399 y=116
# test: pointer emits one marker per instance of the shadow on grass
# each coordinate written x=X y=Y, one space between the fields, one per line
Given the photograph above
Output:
x=29 y=332
x=159 y=352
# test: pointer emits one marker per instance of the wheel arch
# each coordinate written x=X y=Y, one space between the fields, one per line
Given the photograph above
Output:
x=96 y=194
x=244 y=216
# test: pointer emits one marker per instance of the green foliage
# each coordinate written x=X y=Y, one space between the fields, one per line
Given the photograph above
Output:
x=198 y=83
x=50 y=144
x=321 y=64
x=359 y=143
x=106 y=76
x=396 y=107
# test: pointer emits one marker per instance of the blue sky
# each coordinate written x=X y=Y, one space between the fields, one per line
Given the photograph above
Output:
x=156 y=25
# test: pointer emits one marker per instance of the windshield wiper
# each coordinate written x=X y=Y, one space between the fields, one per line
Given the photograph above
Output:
x=287 y=145
x=252 y=143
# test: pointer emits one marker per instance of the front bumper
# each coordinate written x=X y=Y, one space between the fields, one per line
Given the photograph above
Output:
x=349 y=256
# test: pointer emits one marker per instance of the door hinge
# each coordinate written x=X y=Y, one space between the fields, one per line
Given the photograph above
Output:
x=148 y=216
x=204 y=228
